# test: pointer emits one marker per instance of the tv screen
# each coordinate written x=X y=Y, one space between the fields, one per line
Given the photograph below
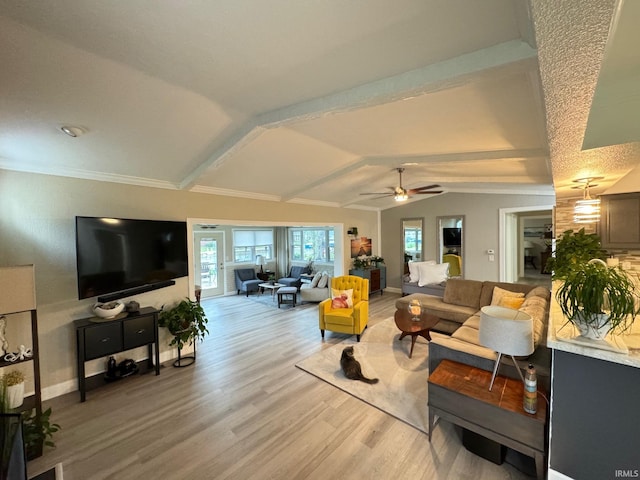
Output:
x=452 y=237
x=115 y=254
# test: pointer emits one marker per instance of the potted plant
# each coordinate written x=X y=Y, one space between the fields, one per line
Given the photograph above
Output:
x=37 y=432
x=359 y=263
x=574 y=249
x=376 y=260
x=598 y=299
x=14 y=382
x=186 y=321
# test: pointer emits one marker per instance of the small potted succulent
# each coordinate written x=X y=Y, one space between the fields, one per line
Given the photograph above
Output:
x=14 y=383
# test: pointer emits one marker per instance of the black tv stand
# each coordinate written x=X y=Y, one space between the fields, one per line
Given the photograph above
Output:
x=135 y=290
x=101 y=339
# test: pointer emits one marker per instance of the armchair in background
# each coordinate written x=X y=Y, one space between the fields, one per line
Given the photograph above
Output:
x=455 y=264
x=246 y=280
x=353 y=319
x=293 y=279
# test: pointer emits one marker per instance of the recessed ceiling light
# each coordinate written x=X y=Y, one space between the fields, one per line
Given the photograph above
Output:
x=72 y=131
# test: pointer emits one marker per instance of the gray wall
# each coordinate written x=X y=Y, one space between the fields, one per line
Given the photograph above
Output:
x=594 y=416
x=481 y=213
x=37 y=225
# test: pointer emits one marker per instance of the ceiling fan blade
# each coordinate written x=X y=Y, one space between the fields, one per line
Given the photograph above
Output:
x=430 y=192
x=426 y=187
x=384 y=194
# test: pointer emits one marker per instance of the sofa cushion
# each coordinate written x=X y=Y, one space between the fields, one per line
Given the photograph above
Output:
x=487 y=290
x=539 y=292
x=432 y=273
x=463 y=292
x=537 y=307
x=467 y=334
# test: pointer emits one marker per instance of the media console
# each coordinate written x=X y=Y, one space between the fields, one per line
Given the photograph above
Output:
x=100 y=339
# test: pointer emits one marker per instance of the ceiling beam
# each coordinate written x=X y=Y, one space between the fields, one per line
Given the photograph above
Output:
x=410 y=84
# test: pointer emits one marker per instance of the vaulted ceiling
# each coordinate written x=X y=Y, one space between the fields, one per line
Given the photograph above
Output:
x=306 y=101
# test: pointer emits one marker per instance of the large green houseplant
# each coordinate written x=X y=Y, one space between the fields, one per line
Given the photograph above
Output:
x=573 y=250
x=598 y=299
x=186 y=321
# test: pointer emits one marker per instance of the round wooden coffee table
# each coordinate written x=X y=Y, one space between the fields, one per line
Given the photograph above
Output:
x=410 y=327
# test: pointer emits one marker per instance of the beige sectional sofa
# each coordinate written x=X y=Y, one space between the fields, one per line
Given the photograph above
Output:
x=459 y=313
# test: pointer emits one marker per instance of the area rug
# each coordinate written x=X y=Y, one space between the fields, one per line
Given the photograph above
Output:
x=272 y=301
x=402 y=389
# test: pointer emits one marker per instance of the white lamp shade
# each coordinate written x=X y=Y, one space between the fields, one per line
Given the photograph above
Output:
x=17 y=289
x=260 y=260
x=506 y=330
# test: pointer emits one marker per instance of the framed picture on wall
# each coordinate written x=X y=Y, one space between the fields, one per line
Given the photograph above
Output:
x=360 y=246
x=534 y=232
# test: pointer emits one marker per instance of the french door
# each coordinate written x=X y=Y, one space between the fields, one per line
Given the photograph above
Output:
x=209 y=263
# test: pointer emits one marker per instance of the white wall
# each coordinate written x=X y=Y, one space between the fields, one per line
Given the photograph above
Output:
x=37 y=225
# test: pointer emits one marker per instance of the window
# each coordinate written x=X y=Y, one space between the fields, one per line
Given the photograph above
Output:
x=312 y=244
x=249 y=243
x=413 y=241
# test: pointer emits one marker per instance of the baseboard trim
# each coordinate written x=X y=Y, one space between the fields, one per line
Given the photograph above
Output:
x=70 y=386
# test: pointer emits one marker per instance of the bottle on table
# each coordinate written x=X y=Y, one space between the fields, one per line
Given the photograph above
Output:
x=530 y=401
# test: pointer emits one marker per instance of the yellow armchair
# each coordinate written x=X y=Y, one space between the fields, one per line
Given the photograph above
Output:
x=346 y=320
x=455 y=264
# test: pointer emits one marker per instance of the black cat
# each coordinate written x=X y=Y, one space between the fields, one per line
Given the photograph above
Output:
x=351 y=367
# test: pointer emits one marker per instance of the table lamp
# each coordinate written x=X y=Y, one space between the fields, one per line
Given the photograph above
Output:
x=260 y=260
x=508 y=332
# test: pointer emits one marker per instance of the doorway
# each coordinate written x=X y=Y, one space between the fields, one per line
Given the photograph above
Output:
x=209 y=257
x=520 y=253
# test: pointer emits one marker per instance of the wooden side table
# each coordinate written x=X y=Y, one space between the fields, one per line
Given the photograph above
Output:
x=460 y=394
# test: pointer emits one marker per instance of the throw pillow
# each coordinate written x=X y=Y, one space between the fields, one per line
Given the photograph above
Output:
x=316 y=278
x=499 y=293
x=432 y=273
x=539 y=292
x=511 y=302
x=324 y=280
x=414 y=274
x=341 y=298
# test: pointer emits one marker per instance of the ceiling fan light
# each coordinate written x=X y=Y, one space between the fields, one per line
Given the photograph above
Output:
x=400 y=197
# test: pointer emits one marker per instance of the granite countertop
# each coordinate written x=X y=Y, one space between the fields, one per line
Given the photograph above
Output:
x=623 y=349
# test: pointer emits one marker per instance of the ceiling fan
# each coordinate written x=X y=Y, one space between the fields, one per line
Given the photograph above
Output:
x=400 y=194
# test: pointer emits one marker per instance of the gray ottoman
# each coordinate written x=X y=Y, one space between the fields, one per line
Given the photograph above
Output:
x=287 y=295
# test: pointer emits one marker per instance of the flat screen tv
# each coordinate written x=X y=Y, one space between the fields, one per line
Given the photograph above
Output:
x=116 y=255
x=452 y=237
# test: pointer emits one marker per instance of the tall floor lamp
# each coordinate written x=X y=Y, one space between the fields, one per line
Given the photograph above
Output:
x=508 y=332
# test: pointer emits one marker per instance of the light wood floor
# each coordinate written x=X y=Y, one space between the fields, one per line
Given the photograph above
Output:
x=245 y=411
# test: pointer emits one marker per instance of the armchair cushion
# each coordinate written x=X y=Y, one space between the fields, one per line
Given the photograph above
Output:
x=293 y=279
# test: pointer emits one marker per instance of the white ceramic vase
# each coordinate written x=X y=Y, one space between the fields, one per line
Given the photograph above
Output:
x=15 y=395
x=595 y=330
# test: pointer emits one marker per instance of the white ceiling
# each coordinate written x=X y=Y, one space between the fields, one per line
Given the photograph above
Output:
x=307 y=101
